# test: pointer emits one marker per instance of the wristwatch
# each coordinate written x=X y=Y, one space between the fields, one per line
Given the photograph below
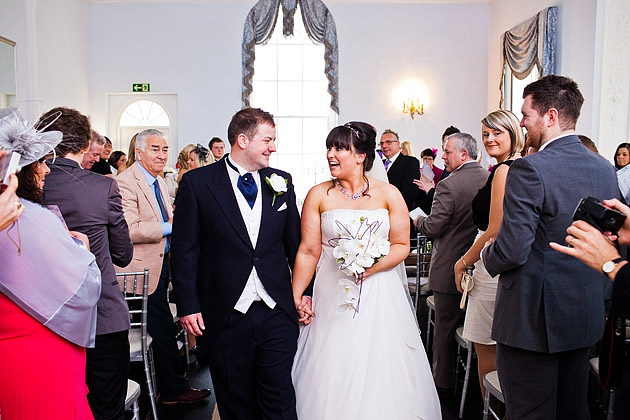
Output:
x=609 y=266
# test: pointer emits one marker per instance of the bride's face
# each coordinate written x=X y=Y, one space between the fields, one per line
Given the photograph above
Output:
x=343 y=163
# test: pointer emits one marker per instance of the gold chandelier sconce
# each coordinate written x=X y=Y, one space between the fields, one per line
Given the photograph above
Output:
x=412 y=107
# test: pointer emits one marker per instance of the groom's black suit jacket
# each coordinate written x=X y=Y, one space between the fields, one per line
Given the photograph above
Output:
x=212 y=255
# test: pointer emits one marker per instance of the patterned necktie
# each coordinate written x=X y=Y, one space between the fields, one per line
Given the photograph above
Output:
x=247 y=186
x=160 y=200
x=387 y=162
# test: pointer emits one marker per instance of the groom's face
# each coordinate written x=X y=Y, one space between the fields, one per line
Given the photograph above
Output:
x=260 y=147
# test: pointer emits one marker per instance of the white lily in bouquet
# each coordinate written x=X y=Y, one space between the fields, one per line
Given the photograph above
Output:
x=360 y=245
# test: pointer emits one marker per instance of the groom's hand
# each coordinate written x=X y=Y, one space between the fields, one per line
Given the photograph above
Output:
x=305 y=310
x=193 y=323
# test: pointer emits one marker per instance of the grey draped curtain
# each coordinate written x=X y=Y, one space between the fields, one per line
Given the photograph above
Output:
x=320 y=27
x=532 y=43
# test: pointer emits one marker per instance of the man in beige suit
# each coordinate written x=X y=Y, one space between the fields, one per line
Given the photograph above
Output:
x=450 y=224
x=149 y=218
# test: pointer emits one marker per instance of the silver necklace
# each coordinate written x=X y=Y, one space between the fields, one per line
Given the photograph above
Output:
x=354 y=196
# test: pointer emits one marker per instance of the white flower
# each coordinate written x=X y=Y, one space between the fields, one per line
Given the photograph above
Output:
x=277 y=183
x=349 y=294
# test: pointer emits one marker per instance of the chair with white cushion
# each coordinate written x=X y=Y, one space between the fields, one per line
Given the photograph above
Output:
x=131 y=401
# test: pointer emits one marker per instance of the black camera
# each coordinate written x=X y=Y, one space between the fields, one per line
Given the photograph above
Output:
x=593 y=212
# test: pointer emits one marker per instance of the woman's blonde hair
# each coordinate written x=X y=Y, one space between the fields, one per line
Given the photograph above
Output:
x=203 y=156
x=408 y=147
x=506 y=120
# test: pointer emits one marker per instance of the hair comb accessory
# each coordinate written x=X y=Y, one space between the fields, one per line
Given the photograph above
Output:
x=434 y=151
x=202 y=152
x=354 y=130
x=18 y=135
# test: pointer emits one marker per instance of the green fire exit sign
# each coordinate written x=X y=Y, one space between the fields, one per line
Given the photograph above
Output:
x=141 y=87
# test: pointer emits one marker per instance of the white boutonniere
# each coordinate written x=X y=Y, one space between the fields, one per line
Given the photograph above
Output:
x=277 y=184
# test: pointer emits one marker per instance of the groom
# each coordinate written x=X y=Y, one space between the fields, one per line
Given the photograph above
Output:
x=235 y=237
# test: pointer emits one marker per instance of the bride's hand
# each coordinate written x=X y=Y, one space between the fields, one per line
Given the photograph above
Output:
x=304 y=308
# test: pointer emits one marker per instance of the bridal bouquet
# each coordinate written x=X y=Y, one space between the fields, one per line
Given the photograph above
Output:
x=360 y=245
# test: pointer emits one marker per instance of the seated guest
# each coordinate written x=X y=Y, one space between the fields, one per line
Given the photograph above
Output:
x=102 y=165
x=117 y=162
x=49 y=286
x=622 y=155
x=428 y=157
x=91 y=204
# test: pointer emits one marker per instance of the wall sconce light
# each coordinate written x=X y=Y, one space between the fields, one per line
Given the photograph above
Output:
x=413 y=106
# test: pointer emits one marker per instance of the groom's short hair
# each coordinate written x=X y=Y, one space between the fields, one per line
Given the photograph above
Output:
x=246 y=121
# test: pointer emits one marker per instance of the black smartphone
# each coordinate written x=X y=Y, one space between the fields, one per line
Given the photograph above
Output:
x=592 y=211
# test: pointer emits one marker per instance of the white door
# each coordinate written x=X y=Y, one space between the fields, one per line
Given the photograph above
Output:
x=129 y=114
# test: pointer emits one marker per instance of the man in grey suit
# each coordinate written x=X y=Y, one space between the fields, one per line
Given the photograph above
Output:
x=549 y=307
x=450 y=224
x=91 y=204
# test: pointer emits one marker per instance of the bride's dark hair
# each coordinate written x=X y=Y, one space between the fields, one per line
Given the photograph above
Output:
x=361 y=135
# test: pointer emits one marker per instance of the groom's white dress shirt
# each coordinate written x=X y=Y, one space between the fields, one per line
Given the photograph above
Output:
x=254 y=289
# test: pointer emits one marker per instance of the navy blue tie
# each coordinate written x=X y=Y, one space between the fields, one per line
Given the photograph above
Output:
x=160 y=200
x=247 y=186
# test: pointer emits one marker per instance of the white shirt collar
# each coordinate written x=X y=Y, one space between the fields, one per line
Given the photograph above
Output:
x=393 y=158
x=548 y=142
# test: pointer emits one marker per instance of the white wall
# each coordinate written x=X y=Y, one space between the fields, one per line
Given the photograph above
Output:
x=52 y=52
x=576 y=45
x=194 y=49
x=444 y=45
x=191 y=49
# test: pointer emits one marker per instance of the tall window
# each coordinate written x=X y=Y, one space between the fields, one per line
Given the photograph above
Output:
x=289 y=81
x=513 y=89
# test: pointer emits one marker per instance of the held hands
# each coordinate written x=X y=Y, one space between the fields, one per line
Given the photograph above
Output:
x=304 y=306
x=193 y=324
x=424 y=183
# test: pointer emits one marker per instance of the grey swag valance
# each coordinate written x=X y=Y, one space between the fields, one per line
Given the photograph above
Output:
x=532 y=43
x=320 y=27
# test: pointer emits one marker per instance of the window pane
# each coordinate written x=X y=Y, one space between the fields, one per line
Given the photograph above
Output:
x=314 y=63
x=289 y=98
x=289 y=134
x=314 y=137
x=290 y=57
x=144 y=113
x=316 y=98
x=265 y=96
x=266 y=67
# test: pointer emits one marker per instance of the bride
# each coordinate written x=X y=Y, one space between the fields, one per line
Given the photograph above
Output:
x=359 y=354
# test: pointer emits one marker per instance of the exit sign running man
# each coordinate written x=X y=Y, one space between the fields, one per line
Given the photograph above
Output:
x=141 y=87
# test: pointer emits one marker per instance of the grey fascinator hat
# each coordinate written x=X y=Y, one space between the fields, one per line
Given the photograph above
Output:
x=18 y=135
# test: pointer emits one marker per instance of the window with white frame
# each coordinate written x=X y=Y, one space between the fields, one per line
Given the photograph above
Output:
x=289 y=81
x=513 y=89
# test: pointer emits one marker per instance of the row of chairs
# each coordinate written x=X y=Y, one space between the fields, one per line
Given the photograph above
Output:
x=422 y=254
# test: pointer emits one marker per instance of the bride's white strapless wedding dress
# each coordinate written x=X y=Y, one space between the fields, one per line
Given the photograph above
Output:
x=365 y=365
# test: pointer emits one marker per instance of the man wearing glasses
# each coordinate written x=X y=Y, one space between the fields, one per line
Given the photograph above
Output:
x=401 y=169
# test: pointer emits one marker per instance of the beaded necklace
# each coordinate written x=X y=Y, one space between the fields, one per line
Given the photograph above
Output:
x=354 y=196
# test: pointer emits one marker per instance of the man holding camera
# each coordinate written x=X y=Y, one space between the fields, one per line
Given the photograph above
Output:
x=549 y=307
